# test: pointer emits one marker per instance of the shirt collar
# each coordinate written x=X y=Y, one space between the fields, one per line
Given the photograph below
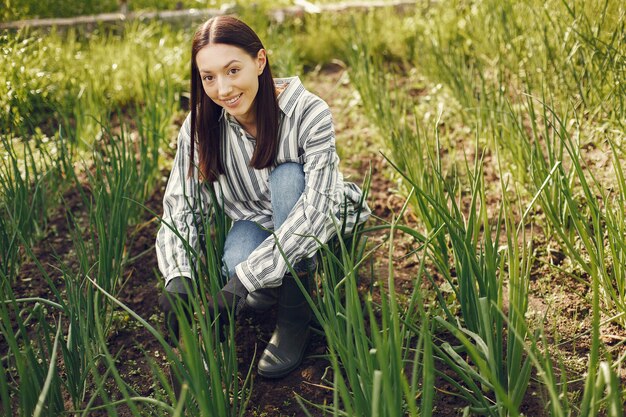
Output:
x=287 y=98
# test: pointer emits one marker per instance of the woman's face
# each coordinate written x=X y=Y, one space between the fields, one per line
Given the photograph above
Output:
x=230 y=77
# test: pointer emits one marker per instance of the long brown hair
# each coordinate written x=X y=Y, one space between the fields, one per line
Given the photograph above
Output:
x=205 y=114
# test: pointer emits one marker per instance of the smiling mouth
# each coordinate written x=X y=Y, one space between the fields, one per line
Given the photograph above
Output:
x=233 y=100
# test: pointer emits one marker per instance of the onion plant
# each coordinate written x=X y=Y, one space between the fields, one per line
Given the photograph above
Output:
x=118 y=183
x=85 y=313
x=389 y=112
x=497 y=69
x=478 y=282
x=603 y=392
x=26 y=187
x=210 y=365
x=361 y=366
x=29 y=380
x=205 y=360
x=123 y=176
x=114 y=184
x=153 y=119
x=497 y=361
x=590 y=236
x=381 y=363
x=594 y=226
x=602 y=389
x=8 y=241
x=574 y=49
x=561 y=180
x=78 y=344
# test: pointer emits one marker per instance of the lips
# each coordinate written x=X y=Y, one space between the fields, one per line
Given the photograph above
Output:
x=231 y=102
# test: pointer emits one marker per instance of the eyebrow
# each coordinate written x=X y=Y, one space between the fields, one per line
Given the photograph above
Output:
x=225 y=66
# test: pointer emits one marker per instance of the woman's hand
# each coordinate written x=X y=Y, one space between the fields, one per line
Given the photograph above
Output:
x=230 y=298
x=175 y=294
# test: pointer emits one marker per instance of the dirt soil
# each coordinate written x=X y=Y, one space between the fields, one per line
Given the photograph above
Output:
x=555 y=299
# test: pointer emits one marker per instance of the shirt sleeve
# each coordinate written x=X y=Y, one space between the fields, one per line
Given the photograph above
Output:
x=178 y=236
x=311 y=220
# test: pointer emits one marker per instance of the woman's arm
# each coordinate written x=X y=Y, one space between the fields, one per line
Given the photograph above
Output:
x=311 y=219
x=184 y=199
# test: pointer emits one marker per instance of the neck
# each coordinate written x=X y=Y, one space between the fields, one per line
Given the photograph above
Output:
x=248 y=122
x=249 y=127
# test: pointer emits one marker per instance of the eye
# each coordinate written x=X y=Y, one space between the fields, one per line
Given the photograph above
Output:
x=207 y=78
x=233 y=71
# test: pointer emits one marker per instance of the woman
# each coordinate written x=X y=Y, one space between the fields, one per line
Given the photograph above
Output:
x=268 y=149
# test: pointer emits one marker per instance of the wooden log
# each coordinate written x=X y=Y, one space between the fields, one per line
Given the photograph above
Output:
x=277 y=15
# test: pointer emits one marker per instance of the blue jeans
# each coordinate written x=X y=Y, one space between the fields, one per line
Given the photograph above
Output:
x=286 y=187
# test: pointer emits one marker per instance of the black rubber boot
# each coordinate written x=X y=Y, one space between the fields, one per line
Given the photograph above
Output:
x=286 y=348
x=263 y=299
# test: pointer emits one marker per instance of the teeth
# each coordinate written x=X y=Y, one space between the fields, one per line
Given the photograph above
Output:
x=231 y=101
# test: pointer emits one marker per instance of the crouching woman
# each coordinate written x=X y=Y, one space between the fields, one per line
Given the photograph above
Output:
x=267 y=148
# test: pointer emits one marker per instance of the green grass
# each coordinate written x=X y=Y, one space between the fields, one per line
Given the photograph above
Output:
x=495 y=157
x=29 y=9
x=504 y=72
x=109 y=71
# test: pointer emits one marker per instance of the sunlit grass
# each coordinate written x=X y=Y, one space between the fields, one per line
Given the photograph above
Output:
x=22 y=9
x=496 y=74
x=493 y=152
x=108 y=71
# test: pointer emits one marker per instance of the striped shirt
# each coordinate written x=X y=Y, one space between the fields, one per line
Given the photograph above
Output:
x=306 y=136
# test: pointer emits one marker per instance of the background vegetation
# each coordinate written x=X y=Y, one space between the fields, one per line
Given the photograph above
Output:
x=503 y=124
x=28 y=9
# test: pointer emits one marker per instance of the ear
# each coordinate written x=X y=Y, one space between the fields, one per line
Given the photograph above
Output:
x=261 y=59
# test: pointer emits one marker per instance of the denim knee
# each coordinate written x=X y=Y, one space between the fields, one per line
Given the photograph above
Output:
x=242 y=239
x=286 y=187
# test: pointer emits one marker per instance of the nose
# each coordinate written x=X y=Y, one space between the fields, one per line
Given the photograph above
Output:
x=223 y=87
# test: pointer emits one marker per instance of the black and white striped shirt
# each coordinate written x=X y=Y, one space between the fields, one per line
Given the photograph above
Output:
x=307 y=137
